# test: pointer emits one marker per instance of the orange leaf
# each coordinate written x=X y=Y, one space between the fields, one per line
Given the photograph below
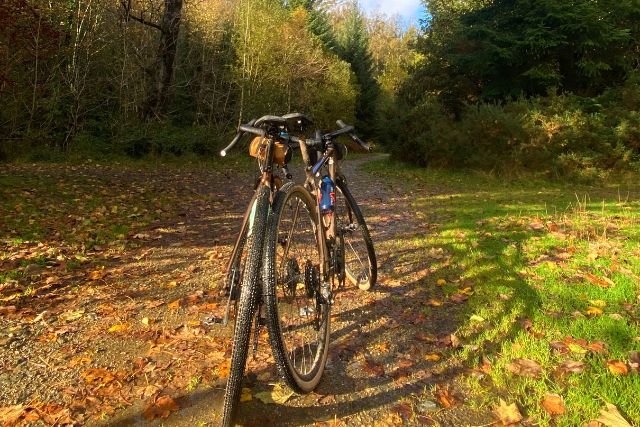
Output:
x=617 y=367
x=98 y=274
x=174 y=304
x=508 y=414
x=444 y=397
x=161 y=408
x=383 y=347
x=373 y=368
x=223 y=369
x=118 y=328
x=594 y=311
x=553 y=404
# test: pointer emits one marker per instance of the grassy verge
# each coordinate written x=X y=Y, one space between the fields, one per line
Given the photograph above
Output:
x=547 y=280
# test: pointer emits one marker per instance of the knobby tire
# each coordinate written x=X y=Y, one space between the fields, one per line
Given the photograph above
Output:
x=299 y=325
x=249 y=294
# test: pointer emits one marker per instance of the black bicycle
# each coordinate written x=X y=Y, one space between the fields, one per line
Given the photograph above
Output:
x=287 y=263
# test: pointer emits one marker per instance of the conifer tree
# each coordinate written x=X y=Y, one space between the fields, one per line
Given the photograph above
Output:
x=317 y=22
x=354 y=49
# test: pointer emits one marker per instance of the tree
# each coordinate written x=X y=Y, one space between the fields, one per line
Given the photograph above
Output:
x=354 y=49
x=317 y=21
x=169 y=27
x=526 y=46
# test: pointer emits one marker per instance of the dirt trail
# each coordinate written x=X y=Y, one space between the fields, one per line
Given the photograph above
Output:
x=389 y=357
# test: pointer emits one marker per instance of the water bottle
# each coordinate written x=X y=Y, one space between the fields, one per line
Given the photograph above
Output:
x=327 y=196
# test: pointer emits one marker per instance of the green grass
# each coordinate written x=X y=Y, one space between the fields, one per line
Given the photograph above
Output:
x=493 y=235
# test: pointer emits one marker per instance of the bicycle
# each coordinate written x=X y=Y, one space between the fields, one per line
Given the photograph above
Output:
x=311 y=244
x=272 y=146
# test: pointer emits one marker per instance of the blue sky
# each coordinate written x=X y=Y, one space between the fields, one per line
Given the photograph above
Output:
x=407 y=8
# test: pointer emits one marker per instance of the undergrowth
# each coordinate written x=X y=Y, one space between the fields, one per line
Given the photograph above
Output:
x=558 y=136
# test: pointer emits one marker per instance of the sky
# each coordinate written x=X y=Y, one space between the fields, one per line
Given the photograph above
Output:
x=409 y=9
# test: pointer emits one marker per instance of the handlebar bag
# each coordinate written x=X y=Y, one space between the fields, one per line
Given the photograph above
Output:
x=280 y=155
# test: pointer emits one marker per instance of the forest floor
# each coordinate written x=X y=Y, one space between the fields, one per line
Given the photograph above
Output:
x=495 y=303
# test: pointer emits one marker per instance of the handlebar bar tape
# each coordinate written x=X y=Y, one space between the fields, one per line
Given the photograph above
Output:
x=235 y=140
x=354 y=138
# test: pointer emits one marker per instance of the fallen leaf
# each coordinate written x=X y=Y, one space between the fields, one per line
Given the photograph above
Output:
x=383 y=347
x=525 y=323
x=403 y=410
x=598 y=302
x=444 y=397
x=93 y=375
x=559 y=347
x=634 y=360
x=98 y=274
x=617 y=367
x=432 y=357
x=7 y=309
x=576 y=348
x=467 y=291
x=79 y=361
x=553 y=404
x=223 y=369
x=372 y=367
x=405 y=363
x=508 y=414
x=275 y=395
x=423 y=336
x=485 y=365
x=524 y=367
x=11 y=414
x=119 y=327
x=161 y=408
x=327 y=400
x=174 y=304
x=594 y=311
x=459 y=298
x=390 y=324
x=567 y=367
x=245 y=396
x=441 y=282
x=427 y=421
x=611 y=417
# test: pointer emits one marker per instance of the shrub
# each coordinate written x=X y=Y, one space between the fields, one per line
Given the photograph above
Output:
x=556 y=135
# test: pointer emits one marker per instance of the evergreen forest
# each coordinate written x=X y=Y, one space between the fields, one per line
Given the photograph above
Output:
x=506 y=86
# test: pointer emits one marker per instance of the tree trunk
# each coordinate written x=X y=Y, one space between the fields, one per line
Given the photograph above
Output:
x=163 y=72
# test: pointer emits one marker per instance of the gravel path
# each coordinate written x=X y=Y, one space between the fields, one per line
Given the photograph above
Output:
x=381 y=369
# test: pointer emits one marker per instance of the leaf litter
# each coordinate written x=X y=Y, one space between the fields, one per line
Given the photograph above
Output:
x=165 y=339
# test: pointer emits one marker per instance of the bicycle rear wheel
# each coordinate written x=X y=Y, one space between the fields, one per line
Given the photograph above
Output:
x=297 y=303
x=359 y=256
x=249 y=293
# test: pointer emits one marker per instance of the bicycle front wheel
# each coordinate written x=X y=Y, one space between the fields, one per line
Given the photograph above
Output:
x=359 y=256
x=249 y=293
x=297 y=302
